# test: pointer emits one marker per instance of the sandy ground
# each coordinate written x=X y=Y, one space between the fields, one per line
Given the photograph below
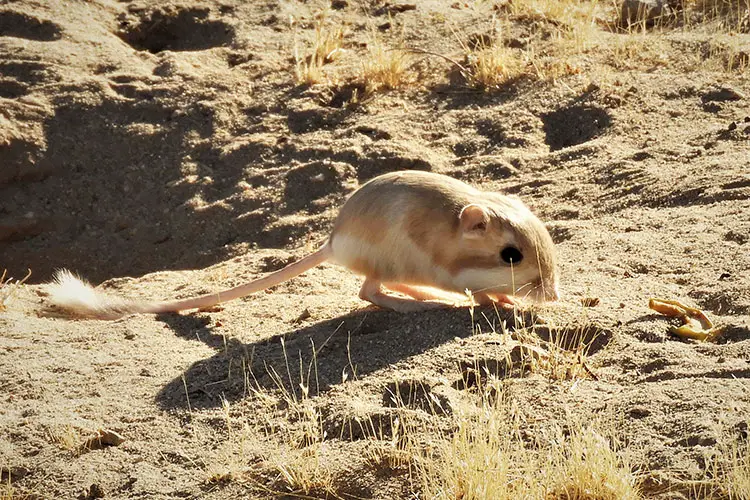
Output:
x=140 y=141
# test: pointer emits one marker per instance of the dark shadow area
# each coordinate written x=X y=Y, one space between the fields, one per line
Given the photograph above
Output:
x=321 y=109
x=20 y=163
x=318 y=355
x=678 y=375
x=25 y=26
x=322 y=355
x=311 y=183
x=177 y=29
x=734 y=333
x=592 y=336
x=113 y=199
x=500 y=135
x=310 y=120
x=456 y=95
x=345 y=96
x=575 y=124
x=704 y=195
x=12 y=89
x=368 y=162
x=28 y=72
x=559 y=232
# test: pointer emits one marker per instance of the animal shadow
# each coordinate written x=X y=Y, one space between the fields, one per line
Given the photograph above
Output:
x=318 y=356
x=315 y=358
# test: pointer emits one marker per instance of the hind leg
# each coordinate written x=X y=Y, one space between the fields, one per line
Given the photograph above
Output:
x=371 y=291
x=421 y=293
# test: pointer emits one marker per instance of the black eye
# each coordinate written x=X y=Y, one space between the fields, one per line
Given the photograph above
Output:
x=511 y=255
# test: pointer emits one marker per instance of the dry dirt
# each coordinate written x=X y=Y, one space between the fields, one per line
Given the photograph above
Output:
x=142 y=140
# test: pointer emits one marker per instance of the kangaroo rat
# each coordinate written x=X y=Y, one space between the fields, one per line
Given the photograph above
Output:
x=402 y=231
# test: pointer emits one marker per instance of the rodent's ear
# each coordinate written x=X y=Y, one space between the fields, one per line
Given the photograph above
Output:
x=473 y=220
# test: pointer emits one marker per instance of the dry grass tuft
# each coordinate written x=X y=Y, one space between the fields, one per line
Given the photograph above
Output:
x=738 y=484
x=495 y=61
x=298 y=459
x=385 y=69
x=7 y=492
x=488 y=457
x=231 y=461
x=492 y=66
x=730 y=15
x=727 y=54
x=481 y=459
x=732 y=471
x=391 y=454
x=9 y=287
x=576 y=21
x=327 y=46
x=586 y=465
x=303 y=471
x=557 y=348
x=296 y=463
x=702 y=35
x=481 y=450
x=66 y=437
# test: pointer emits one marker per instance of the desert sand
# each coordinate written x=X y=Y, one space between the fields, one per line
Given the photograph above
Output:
x=169 y=148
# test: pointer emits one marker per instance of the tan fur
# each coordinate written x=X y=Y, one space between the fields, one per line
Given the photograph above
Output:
x=407 y=228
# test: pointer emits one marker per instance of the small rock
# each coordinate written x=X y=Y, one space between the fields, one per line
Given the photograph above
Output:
x=104 y=437
x=395 y=8
x=339 y=4
x=401 y=7
x=732 y=126
x=592 y=87
x=302 y=317
x=641 y=155
x=711 y=107
x=742 y=430
x=94 y=491
x=499 y=168
x=720 y=94
x=373 y=132
x=590 y=301
x=639 y=412
x=737 y=236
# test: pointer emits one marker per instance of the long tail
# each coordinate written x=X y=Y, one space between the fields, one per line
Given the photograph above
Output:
x=72 y=294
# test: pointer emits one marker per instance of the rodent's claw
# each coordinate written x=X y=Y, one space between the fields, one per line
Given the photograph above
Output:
x=505 y=301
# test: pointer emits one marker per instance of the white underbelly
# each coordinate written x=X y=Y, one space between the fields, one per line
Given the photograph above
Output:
x=391 y=259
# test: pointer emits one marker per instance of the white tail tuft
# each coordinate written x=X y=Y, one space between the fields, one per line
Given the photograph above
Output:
x=71 y=293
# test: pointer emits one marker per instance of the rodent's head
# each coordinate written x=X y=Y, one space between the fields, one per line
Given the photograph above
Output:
x=506 y=249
